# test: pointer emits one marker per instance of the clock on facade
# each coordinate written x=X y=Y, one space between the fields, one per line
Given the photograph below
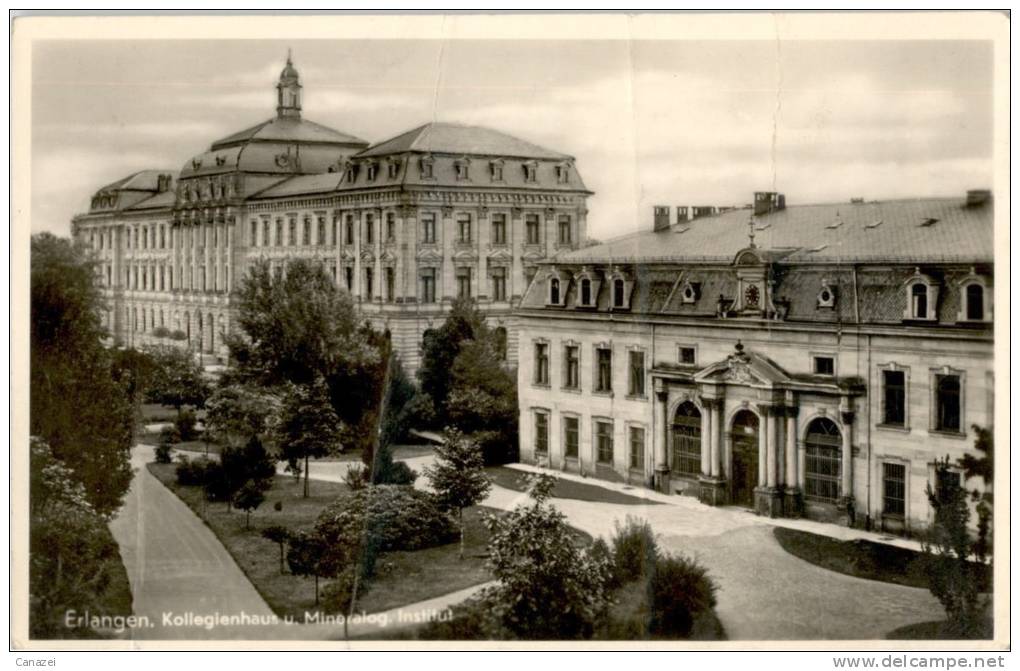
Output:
x=751 y=295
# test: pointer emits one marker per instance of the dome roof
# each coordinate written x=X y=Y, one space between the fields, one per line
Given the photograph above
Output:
x=289 y=72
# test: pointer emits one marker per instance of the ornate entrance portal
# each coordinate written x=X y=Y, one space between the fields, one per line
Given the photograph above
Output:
x=744 y=473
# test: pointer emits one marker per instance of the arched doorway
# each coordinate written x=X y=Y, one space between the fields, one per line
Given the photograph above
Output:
x=687 y=440
x=744 y=471
x=823 y=448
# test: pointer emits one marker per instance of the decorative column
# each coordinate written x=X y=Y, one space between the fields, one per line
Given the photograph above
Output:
x=516 y=233
x=792 y=502
x=481 y=284
x=771 y=449
x=446 y=290
x=661 y=477
x=550 y=232
x=358 y=226
x=401 y=248
x=378 y=275
x=712 y=483
x=767 y=496
x=847 y=467
x=717 y=438
x=708 y=430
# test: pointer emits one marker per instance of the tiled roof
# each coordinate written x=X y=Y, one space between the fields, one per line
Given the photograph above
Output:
x=891 y=231
x=289 y=129
x=302 y=185
x=160 y=200
x=449 y=138
x=144 y=180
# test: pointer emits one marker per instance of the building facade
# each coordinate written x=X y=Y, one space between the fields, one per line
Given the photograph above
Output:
x=811 y=360
x=406 y=225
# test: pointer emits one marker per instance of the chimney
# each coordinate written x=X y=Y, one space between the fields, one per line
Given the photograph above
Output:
x=768 y=201
x=661 y=218
x=978 y=197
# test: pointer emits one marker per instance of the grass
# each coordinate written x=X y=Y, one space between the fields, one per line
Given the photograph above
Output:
x=402 y=578
x=566 y=489
x=938 y=630
x=861 y=558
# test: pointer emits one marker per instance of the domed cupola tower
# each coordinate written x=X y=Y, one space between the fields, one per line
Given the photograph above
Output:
x=288 y=105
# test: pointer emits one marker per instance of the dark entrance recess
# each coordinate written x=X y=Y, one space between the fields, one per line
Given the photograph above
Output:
x=744 y=472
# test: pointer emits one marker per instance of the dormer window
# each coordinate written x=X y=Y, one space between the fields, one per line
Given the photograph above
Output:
x=393 y=168
x=826 y=296
x=530 y=171
x=587 y=289
x=461 y=166
x=586 y=292
x=620 y=289
x=690 y=292
x=496 y=170
x=554 y=291
x=619 y=293
x=371 y=170
x=563 y=173
x=922 y=298
x=974 y=300
x=426 y=167
x=350 y=172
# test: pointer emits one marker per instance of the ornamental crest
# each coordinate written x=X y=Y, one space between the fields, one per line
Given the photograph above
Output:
x=739 y=366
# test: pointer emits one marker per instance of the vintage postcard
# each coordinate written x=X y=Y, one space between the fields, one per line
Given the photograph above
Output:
x=559 y=331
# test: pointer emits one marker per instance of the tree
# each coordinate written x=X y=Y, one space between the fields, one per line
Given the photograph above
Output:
x=179 y=379
x=250 y=466
x=237 y=412
x=441 y=348
x=279 y=535
x=248 y=498
x=458 y=476
x=308 y=427
x=947 y=548
x=483 y=397
x=304 y=556
x=76 y=405
x=135 y=370
x=548 y=587
x=983 y=467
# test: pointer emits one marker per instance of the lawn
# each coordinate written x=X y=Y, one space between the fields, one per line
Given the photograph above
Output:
x=861 y=558
x=510 y=478
x=938 y=630
x=402 y=577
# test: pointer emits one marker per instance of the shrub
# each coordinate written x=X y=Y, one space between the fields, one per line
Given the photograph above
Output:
x=336 y=596
x=185 y=425
x=356 y=478
x=634 y=551
x=679 y=590
x=178 y=335
x=160 y=332
x=248 y=498
x=193 y=473
x=400 y=473
x=394 y=517
x=472 y=620
x=497 y=447
x=279 y=535
x=163 y=453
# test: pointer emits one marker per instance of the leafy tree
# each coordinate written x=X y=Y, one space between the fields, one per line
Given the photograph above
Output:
x=458 y=476
x=305 y=557
x=279 y=535
x=248 y=498
x=947 y=547
x=241 y=467
x=179 y=379
x=440 y=351
x=237 y=412
x=483 y=398
x=548 y=587
x=135 y=370
x=308 y=427
x=983 y=467
x=77 y=406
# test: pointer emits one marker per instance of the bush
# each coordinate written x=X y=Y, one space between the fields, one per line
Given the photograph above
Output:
x=185 y=425
x=336 y=596
x=178 y=335
x=193 y=473
x=167 y=437
x=472 y=620
x=394 y=517
x=634 y=551
x=356 y=478
x=679 y=590
x=160 y=332
x=498 y=447
x=400 y=473
x=163 y=453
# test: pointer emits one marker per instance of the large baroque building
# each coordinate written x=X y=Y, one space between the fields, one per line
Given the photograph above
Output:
x=811 y=360
x=405 y=225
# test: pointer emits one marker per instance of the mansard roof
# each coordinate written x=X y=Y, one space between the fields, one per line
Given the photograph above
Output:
x=922 y=230
x=451 y=138
x=289 y=129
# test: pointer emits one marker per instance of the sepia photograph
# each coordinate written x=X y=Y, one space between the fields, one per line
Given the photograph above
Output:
x=653 y=331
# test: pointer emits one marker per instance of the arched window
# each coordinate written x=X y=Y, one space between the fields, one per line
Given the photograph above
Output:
x=822 y=461
x=919 y=301
x=975 y=297
x=619 y=295
x=554 y=291
x=687 y=440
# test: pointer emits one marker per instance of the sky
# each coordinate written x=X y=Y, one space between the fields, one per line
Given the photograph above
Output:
x=649 y=122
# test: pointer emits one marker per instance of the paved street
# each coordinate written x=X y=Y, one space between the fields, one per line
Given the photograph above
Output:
x=175 y=564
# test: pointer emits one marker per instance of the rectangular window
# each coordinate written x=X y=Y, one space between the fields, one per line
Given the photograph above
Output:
x=604 y=370
x=349 y=278
x=292 y=234
x=463 y=282
x=824 y=365
x=428 y=228
x=946 y=479
x=894 y=489
x=349 y=230
x=541 y=363
x=541 y=432
x=572 y=367
x=821 y=471
x=428 y=285
x=637 y=373
x=369 y=229
x=279 y=232
x=564 y=228
x=947 y=402
x=497 y=172
x=604 y=442
x=571 y=437
x=637 y=447
x=391 y=227
x=254 y=241
x=686 y=356
x=531 y=229
x=368 y=284
x=499 y=229
x=390 y=281
x=265 y=233
x=322 y=231
x=306 y=232
x=894 y=397
x=463 y=228
x=499 y=284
